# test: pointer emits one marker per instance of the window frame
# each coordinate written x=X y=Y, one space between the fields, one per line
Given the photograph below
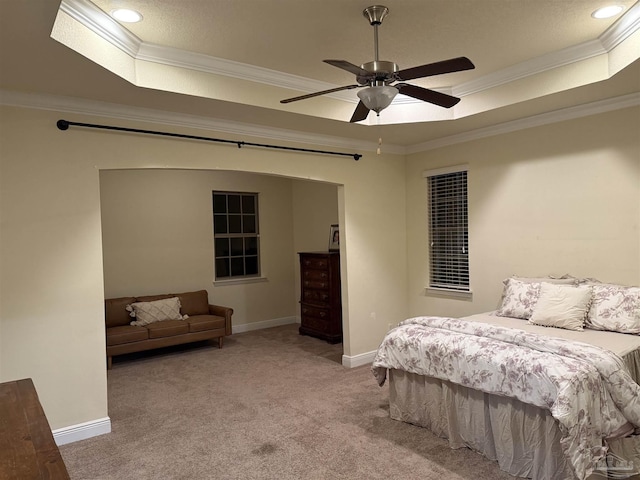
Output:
x=456 y=266
x=216 y=217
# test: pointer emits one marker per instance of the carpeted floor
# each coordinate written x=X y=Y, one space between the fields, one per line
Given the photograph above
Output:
x=271 y=404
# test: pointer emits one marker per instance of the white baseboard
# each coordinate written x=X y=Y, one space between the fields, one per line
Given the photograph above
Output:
x=358 y=360
x=82 y=431
x=274 y=322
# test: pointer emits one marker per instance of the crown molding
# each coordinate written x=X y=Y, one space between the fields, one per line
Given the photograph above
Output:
x=79 y=106
x=570 y=113
x=90 y=16
x=87 y=14
x=531 y=67
x=626 y=25
x=611 y=38
x=129 y=113
x=219 y=66
x=97 y=21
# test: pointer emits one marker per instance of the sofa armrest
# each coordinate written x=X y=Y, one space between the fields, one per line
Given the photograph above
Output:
x=225 y=312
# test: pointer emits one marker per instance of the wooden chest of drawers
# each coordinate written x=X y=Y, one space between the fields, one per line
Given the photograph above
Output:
x=320 y=304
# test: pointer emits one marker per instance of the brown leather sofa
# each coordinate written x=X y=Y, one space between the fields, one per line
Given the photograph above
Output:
x=204 y=322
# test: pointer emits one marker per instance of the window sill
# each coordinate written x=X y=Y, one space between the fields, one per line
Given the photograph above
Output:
x=239 y=281
x=444 y=293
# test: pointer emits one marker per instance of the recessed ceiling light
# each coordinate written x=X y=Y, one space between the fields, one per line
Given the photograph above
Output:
x=126 y=15
x=607 y=12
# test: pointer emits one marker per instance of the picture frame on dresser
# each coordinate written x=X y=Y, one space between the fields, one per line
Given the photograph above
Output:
x=334 y=238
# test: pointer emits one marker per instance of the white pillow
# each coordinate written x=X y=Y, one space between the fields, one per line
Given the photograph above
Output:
x=561 y=306
x=615 y=308
x=156 y=311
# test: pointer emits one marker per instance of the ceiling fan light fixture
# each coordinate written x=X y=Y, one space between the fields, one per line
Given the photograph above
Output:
x=378 y=98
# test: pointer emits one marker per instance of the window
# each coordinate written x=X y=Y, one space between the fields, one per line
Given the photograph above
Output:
x=236 y=235
x=448 y=229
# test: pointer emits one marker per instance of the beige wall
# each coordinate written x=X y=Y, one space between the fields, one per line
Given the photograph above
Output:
x=556 y=199
x=51 y=280
x=158 y=237
x=51 y=303
x=315 y=209
x=553 y=199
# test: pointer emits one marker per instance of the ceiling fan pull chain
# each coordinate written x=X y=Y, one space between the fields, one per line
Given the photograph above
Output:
x=379 y=145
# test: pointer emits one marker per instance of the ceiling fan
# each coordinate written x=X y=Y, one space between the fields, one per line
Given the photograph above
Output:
x=379 y=76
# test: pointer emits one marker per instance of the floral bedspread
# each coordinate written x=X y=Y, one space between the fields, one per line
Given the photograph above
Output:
x=587 y=389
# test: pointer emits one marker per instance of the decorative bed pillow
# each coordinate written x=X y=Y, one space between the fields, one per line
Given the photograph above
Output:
x=520 y=294
x=615 y=308
x=561 y=306
x=518 y=298
x=564 y=280
x=156 y=311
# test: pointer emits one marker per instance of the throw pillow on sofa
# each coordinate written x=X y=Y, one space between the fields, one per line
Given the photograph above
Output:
x=156 y=311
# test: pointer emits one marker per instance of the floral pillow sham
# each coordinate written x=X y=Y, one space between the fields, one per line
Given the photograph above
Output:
x=615 y=308
x=520 y=295
x=518 y=298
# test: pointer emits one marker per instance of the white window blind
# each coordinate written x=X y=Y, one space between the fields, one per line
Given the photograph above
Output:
x=448 y=230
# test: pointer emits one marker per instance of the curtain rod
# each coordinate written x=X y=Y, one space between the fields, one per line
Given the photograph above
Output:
x=65 y=124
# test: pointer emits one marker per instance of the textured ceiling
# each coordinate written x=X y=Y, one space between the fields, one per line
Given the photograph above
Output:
x=290 y=38
x=294 y=36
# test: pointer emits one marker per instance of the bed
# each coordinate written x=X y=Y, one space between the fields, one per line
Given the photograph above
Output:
x=545 y=403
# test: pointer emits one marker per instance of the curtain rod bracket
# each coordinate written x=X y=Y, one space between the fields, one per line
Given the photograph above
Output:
x=65 y=124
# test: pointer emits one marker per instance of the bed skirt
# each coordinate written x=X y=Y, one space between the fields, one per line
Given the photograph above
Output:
x=522 y=438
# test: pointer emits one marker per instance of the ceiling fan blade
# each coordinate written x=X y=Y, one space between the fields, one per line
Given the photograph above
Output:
x=349 y=67
x=446 y=66
x=426 y=95
x=323 y=92
x=361 y=112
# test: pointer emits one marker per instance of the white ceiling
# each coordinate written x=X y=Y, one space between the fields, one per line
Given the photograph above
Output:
x=236 y=59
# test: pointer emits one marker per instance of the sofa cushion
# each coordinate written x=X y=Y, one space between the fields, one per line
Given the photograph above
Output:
x=153 y=298
x=126 y=334
x=200 y=323
x=194 y=303
x=156 y=311
x=115 y=313
x=167 y=328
